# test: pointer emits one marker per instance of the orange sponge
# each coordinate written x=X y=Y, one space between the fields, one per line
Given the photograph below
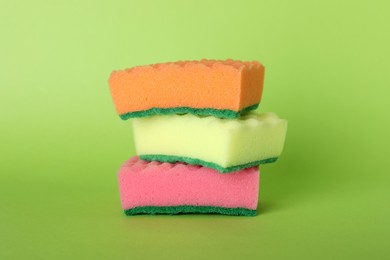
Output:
x=206 y=87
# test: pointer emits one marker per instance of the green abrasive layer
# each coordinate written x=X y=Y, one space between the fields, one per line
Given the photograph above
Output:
x=171 y=210
x=173 y=159
x=222 y=113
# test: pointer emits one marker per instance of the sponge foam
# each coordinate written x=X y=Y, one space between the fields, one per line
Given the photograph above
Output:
x=164 y=188
x=222 y=144
x=223 y=88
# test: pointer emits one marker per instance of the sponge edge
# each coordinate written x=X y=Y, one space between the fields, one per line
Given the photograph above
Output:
x=165 y=188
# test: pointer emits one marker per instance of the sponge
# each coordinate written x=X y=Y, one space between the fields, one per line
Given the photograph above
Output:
x=208 y=87
x=223 y=144
x=165 y=188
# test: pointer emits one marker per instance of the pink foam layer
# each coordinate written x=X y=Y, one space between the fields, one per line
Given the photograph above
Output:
x=143 y=183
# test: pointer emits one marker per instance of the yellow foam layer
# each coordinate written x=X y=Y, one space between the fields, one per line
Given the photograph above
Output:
x=226 y=142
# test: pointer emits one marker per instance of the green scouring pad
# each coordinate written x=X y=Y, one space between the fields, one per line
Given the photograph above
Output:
x=172 y=210
x=173 y=159
x=221 y=113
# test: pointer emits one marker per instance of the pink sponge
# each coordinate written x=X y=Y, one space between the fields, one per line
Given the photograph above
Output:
x=172 y=188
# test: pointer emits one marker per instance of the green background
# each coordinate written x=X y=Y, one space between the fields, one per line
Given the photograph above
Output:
x=61 y=142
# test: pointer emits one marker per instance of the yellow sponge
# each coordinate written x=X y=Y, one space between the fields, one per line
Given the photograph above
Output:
x=223 y=144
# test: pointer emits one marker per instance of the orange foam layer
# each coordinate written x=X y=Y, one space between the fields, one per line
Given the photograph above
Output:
x=227 y=84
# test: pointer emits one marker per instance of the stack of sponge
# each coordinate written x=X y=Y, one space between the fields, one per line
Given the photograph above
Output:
x=198 y=141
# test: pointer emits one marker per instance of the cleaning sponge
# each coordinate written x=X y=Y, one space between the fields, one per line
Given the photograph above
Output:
x=223 y=144
x=207 y=87
x=164 y=188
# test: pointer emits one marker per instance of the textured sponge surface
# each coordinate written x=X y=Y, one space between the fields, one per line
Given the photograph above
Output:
x=209 y=141
x=206 y=85
x=156 y=185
